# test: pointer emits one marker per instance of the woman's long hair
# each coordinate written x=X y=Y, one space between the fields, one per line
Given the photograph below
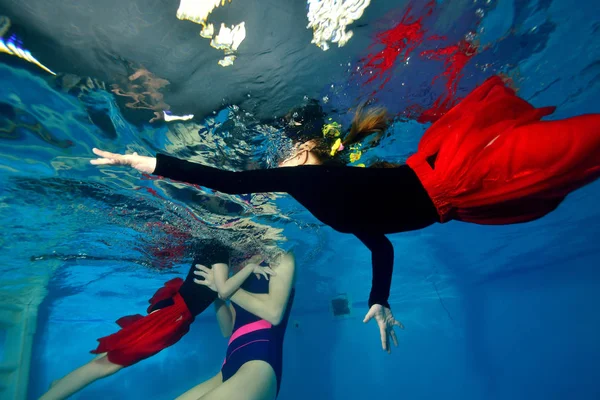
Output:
x=366 y=122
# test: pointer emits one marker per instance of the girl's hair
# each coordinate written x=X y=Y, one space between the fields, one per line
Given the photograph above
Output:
x=366 y=121
x=302 y=123
x=211 y=251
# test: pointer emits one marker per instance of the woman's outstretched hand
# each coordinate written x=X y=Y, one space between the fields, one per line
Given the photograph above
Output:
x=141 y=163
x=386 y=321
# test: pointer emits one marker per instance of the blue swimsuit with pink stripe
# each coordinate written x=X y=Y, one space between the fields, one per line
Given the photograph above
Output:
x=254 y=338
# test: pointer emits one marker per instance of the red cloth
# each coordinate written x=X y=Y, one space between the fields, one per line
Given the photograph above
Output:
x=144 y=336
x=166 y=292
x=496 y=163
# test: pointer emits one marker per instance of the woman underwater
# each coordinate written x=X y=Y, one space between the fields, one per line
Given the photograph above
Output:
x=489 y=160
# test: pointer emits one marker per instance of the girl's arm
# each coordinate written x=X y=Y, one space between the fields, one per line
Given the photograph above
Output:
x=230 y=182
x=225 y=317
x=382 y=260
x=242 y=182
x=271 y=307
x=226 y=287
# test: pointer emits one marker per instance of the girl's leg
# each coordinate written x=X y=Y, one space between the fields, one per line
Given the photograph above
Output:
x=255 y=380
x=76 y=380
x=200 y=390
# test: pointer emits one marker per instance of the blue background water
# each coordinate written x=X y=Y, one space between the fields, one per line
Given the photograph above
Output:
x=490 y=312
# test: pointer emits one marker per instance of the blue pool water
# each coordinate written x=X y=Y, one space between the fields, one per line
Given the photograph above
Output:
x=490 y=312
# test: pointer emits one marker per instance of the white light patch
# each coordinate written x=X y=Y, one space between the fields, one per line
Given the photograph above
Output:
x=197 y=10
x=169 y=117
x=11 y=49
x=329 y=19
x=227 y=61
x=229 y=39
x=208 y=31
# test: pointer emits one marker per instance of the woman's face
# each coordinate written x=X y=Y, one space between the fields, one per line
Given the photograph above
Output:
x=301 y=155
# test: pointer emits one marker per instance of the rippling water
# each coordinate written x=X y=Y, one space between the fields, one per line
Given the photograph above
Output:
x=81 y=224
x=96 y=242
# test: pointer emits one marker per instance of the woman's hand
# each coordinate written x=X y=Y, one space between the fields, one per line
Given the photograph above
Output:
x=141 y=163
x=264 y=271
x=207 y=274
x=386 y=321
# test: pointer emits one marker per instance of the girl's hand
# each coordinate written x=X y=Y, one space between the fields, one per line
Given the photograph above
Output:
x=264 y=271
x=386 y=321
x=141 y=163
x=207 y=274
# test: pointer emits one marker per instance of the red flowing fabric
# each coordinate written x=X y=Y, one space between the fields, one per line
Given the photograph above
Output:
x=166 y=292
x=144 y=336
x=495 y=162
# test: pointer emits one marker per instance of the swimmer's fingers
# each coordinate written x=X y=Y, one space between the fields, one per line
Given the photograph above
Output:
x=202 y=268
x=202 y=272
x=107 y=154
x=206 y=279
x=384 y=339
x=376 y=312
x=370 y=315
x=107 y=158
x=399 y=324
x=263 y=273
x=201 y=282
x=104 y=161
x=269 y=271
x=393 y=335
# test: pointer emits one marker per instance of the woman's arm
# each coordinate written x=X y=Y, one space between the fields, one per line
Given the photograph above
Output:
x=225 y=317
x=226 y=287
x=286 y=179
x=382 y=259
x=382 y=253
x=271 y=307
x=231 y=182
